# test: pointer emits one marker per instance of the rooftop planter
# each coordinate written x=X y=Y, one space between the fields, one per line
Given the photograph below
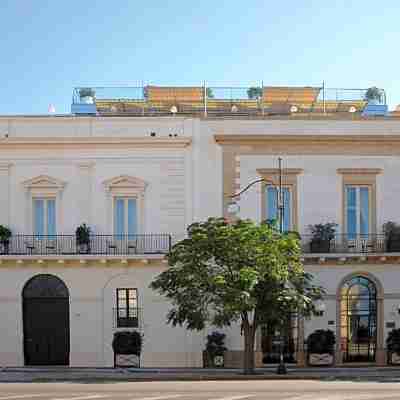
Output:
x=321 y=347
x=374 y=95
x=322 y=235
x=87 y=95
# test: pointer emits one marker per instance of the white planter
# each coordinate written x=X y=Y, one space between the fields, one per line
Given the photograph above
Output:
x=395 y=358
x=87 y=100
x=320 y=359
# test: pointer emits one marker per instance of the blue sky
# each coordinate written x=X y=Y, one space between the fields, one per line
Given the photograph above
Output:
x=48 y=47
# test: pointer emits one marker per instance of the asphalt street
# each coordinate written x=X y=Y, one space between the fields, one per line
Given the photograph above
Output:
x=222 y=390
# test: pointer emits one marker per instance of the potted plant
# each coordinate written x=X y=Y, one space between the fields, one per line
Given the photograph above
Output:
x=127 y=347
x=5 y=235
x=321 y=347
x=213 y=356
x=373 y=95
x=82 y=235
x=322 y=235
x=86 y=95
x=391 y=231
x=254 y=93
x=393 y=346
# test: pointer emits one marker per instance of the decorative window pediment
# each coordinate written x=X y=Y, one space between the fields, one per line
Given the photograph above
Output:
x=125 y=184
x=44 y=182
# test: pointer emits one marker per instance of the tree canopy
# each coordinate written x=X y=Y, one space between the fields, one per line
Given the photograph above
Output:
x=241 y=272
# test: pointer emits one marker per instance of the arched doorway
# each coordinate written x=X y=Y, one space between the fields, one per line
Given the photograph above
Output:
x=46 y=321
x=358 y=319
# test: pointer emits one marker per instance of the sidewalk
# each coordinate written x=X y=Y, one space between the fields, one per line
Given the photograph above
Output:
x=62 y=374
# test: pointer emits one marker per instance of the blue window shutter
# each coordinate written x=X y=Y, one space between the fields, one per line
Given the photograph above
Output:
x=119 y=217
x=364 y=210
x=351 y=212
x=286 y=209
x=272 y=205
x=51 y=217
x=132 y=217
x=38 y=205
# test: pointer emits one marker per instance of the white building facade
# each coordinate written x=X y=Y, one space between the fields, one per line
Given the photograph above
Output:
x=138 y=182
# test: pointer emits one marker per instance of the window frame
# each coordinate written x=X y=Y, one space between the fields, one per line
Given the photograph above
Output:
x=127 y=321
x=358 y=208
x=291 y=203
x=45 y=200
x=289 y=180
x=126 y=214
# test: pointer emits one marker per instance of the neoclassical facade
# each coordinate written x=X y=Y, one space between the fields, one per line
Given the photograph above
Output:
x=137 y=182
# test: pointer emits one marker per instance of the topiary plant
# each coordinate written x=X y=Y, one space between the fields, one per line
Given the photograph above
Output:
x=215 y=345
x=82 y=234
x=127 y=342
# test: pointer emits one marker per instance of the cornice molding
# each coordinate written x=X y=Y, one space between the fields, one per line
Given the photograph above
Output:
x=42 y=142
x=44 y=182
x=359 y=171
x=275 y=171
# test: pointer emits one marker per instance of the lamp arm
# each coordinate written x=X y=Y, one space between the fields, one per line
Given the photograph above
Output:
x=249 y=186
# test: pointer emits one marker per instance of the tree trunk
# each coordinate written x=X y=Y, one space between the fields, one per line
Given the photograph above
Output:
x=249 y=337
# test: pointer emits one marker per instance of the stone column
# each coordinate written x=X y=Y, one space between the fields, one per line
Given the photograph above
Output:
x=380 y=340
x=5 y=218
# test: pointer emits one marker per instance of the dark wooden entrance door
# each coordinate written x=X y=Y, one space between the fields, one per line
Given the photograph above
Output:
x=46 y=321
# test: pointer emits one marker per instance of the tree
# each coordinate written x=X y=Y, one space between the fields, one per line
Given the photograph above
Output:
x=254 y=93
x=242 y=272
x=209 y=93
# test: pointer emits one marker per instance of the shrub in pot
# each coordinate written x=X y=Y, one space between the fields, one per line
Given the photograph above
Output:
x=82 y=235
x=322 y=235
x=86 y=95
x=374 y=95
x=127 y=346
x=393 y=346
x=321 y=347
x=215 y=349
x=5 y=235
x=391 y=231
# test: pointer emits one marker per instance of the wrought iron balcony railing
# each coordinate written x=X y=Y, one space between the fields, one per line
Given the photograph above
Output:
x=348 y=243
x=108 y=245
x=127 y=317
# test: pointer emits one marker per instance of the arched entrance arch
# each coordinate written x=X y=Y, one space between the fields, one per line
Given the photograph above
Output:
x=360 y=311
x=45 y=300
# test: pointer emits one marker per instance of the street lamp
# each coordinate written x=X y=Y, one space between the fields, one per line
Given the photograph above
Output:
x=233 y=208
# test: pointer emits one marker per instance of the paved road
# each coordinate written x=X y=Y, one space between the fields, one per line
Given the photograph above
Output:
x=226 y=390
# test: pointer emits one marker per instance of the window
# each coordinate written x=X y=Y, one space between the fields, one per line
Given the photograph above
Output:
x=125 y=216
x=127 y=309
x=271 y=207
x=44 y=216
x=358 y=211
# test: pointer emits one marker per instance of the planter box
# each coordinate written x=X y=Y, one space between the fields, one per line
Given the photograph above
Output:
x=394 y=358
x=126 y=361
x=320 y=359
x=320 y=246
x=215 y=362
x=393 y=243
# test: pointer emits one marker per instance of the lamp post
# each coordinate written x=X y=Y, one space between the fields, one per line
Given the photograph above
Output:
x=233 y=208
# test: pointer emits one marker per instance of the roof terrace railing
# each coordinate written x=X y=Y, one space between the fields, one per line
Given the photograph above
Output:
x=214 y=100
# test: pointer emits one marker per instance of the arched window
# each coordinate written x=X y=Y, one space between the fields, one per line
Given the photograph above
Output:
x=358 y=319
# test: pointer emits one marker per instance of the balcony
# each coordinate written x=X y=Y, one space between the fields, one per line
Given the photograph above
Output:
x=99 y=245
x=347 y=244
